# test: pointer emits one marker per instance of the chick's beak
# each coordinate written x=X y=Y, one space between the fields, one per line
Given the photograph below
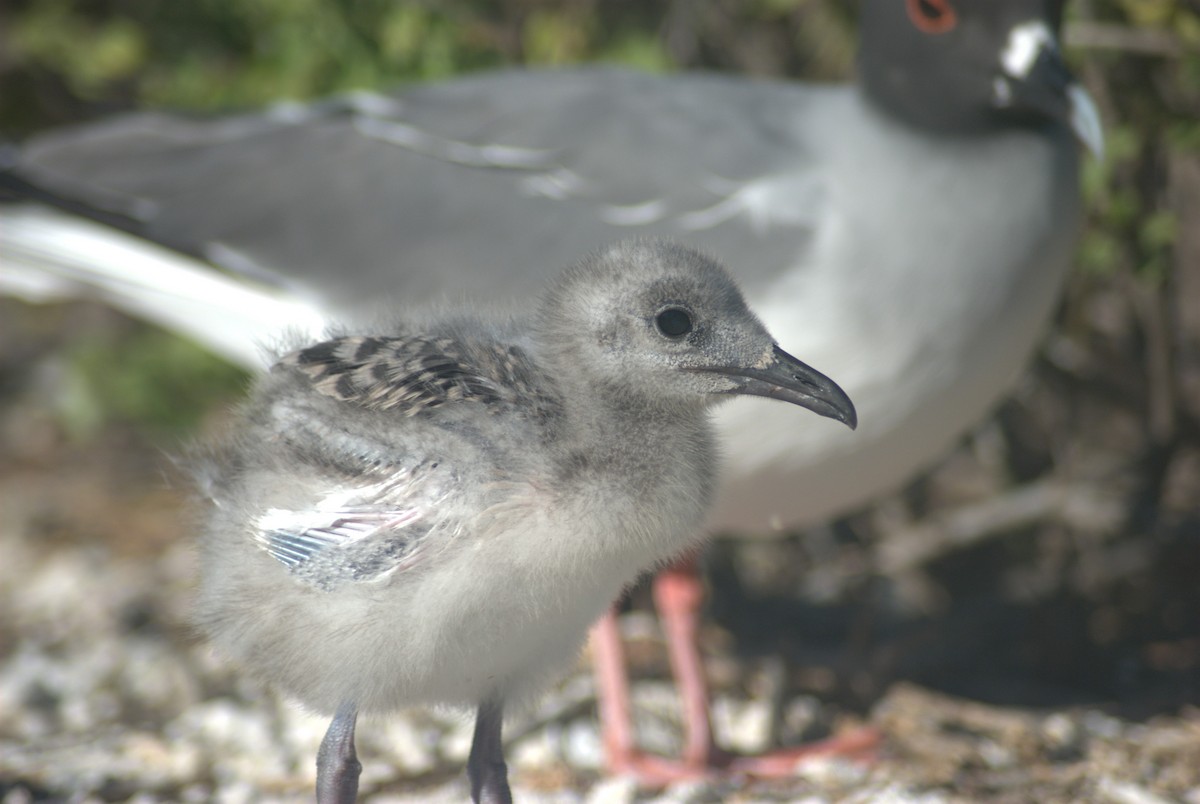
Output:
x=789 y=380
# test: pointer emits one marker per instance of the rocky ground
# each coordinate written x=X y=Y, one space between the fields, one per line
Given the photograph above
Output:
x=1022 y=625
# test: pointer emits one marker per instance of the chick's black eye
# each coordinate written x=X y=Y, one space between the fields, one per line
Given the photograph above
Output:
x=674 y=322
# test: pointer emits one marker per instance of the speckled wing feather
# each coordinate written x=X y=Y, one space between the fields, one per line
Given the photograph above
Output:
x=362 y=532
x=357 y=534
x=415 y=373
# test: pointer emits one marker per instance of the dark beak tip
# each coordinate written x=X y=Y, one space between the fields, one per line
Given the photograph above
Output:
x=843 y=410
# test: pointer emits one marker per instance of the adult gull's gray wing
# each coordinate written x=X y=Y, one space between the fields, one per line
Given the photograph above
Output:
x=483 y=185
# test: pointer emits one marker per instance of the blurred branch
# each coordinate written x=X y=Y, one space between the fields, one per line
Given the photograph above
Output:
x=1079 y=505
x=1091 y=35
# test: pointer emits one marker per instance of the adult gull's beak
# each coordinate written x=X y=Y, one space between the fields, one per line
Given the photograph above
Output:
x=1085 y=119
x=1034 y=78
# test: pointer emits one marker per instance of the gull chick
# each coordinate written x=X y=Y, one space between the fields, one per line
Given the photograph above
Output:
x=436 y=515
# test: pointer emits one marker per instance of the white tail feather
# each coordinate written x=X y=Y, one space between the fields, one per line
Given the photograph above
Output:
x=47 y=255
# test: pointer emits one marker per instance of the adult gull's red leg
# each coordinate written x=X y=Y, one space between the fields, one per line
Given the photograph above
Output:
x=678 y=595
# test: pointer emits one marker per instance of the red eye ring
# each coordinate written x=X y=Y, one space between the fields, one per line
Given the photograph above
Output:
x=932 y=16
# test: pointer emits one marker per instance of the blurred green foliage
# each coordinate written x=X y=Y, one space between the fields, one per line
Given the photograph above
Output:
x=66 y=60
x=63 y=59
x=1141 y=58
x=141 y=376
